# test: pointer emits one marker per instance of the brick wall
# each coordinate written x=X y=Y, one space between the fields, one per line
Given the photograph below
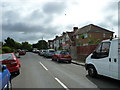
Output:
x=85 y=50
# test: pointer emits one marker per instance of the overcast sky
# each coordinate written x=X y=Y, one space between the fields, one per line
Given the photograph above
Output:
x=30 y=20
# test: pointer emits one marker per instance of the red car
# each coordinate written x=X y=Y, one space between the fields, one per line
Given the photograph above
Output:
x=62 y=56
x=12 y=63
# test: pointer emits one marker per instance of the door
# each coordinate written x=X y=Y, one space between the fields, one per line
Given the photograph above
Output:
x=100 y=58
x=114 y=59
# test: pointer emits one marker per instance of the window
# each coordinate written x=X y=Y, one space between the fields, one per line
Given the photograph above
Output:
x=86 y=35
x=102 y=50
x=77 y=37
x=104 y=35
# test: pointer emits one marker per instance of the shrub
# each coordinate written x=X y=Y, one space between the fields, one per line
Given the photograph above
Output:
x=7 y=49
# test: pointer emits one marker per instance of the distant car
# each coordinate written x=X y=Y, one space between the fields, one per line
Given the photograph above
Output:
x=49 y=53
x=5 y=78
x=35 y=51
x=42 y=52
x=11 y=61
x=22 y=52
x=62 y=56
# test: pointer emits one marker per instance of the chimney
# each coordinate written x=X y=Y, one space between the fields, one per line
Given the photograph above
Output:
x=75 y=28
x=63 y=33
x=56 y=36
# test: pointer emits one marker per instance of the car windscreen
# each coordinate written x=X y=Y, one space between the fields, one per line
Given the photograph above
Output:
x=51 y=51
x=64 y=53
x=6 y=57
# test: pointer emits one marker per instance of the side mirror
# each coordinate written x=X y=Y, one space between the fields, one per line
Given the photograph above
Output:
x=4 y=67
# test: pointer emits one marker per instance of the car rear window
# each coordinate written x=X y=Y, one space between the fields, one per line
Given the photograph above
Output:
x=6 y=57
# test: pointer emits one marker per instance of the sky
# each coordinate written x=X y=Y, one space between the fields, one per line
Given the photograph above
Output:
x=30 y=20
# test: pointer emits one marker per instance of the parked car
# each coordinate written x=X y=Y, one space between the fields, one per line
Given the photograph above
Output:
x=35 y=51
x=42 y=52
x=5 y=78
x=62 y=56
x=49 y=53
x=22 y=52
x=11 y=61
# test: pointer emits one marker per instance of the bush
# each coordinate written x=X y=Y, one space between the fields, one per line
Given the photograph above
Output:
x=7 y=49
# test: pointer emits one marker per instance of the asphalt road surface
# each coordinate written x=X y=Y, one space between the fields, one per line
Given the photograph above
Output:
x=39 y=72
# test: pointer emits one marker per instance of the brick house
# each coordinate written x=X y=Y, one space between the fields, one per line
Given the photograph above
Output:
x=81 y=42
x=91 y=35
x=87 y=38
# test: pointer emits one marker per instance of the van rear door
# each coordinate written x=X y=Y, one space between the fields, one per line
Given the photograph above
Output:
x=119 y=59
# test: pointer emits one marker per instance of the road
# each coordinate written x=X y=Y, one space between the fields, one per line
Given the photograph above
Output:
x=39 y=72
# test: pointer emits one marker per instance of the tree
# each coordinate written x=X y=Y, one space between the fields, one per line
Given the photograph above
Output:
x=9 y=42
x=41 y=44
x=26 y=45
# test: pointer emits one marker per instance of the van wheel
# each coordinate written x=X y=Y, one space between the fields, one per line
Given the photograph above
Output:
x=92 y=71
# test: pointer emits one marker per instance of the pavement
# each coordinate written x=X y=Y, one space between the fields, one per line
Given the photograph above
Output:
x=78 y=62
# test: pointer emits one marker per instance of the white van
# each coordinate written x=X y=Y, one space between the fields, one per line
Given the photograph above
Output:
x=105 y=60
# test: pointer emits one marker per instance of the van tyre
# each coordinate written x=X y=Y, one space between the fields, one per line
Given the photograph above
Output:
x=92 y=71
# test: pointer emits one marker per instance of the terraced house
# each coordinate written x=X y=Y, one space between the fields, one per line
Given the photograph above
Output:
x=81 y=41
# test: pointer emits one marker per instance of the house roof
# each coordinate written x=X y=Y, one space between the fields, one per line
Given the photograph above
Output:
x=91 y=28
x=70 y=34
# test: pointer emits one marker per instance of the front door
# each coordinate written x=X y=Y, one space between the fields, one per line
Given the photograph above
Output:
x=100 y=58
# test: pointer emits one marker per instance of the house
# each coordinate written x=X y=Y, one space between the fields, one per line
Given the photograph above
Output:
x=91 y=35
x=50 y=43
x=87 y=38
x=81 y=42
x=65 y=41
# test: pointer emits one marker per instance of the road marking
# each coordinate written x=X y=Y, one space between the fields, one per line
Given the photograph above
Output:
x=61 y=83
x=43 y=66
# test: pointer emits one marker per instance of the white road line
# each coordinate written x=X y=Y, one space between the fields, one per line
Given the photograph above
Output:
x=61 y=83
x=43 y=66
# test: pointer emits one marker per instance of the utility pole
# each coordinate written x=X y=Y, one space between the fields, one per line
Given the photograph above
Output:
x=42 y=42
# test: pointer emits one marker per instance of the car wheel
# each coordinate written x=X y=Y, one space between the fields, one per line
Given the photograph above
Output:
x=92 y=71
x=52 y=59
x=17 y=72
x=58 y=60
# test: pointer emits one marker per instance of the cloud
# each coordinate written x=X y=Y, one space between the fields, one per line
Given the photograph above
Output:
x=54 y=7
x=28 y=21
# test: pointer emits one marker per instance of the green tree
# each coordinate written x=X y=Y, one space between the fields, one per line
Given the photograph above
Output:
x=9 y=42
x=41 y=44
x=26 y=45
x=6 y=49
